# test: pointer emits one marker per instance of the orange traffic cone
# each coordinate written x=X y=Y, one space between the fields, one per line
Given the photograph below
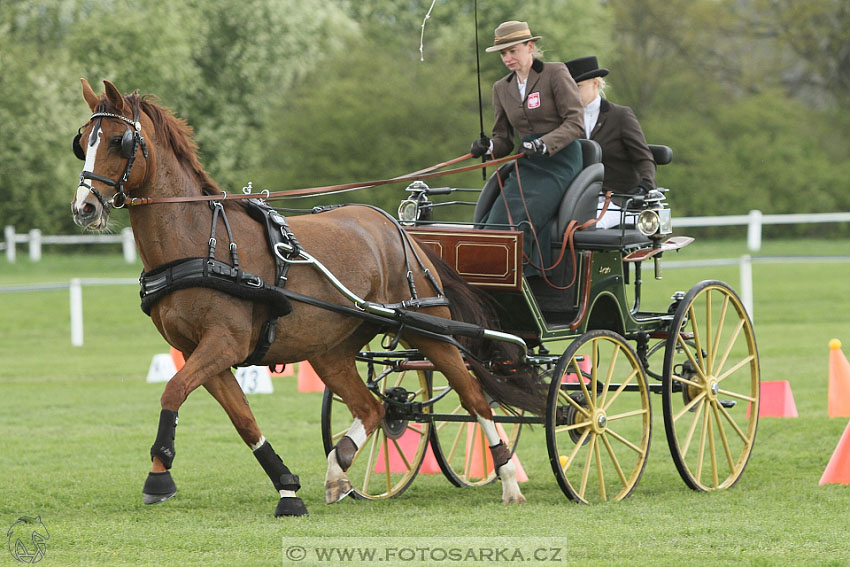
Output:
x=776 y=400
x=177 y=357
x=408 y=443
x=308 y=380
x=839 y=381
x=838 y=469
x=571 y=378
x=476 y=443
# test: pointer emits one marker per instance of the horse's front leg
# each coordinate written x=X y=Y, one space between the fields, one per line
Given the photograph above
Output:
x=225 y=389
x=204 y=364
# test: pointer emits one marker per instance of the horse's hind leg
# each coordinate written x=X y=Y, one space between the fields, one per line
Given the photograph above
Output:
x=502 y=463
x=340 y=375
x=449 y=361
x=225 y=389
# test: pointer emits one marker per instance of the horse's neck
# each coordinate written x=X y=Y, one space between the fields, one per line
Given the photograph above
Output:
x=171 y=231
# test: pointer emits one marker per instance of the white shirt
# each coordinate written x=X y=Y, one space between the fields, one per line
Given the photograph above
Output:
x=521 y=85
x=591 y=115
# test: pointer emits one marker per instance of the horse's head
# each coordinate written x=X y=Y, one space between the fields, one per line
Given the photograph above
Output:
x=117 y=157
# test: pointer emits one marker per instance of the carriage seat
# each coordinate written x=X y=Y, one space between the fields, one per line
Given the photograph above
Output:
x=580 y=198
x=621 y=237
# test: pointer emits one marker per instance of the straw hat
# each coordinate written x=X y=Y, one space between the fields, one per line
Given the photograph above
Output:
x=511 y=33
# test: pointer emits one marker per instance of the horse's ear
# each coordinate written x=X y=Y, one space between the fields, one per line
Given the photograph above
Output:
x=114 y=97
x=88 y=94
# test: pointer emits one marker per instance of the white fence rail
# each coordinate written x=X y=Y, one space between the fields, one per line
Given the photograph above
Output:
x=745 y=291
x=35 y=240
x=754 y=221
x=75 y=297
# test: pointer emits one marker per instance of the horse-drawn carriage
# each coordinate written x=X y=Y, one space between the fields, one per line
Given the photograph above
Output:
x=579 y=326
x=319 y=287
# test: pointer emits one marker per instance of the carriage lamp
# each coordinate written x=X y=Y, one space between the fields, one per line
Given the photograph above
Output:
x=656 y=219
x=411 y=209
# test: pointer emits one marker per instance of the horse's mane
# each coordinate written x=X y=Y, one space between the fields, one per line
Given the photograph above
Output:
x=172 y=132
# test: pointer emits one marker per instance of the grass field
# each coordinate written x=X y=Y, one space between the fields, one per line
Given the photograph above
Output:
x=77 y=424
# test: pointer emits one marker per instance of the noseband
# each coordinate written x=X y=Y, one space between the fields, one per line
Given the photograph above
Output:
x=130 y=142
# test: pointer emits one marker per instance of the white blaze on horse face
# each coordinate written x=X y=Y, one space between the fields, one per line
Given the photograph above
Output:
x=82 y=191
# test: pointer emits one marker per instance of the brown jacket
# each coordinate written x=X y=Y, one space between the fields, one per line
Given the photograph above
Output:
x=552 y=106
x=625 y=153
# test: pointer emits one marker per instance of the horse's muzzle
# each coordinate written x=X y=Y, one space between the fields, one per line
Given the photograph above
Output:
x=87 y=211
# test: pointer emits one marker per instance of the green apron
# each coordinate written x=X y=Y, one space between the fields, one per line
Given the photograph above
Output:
x=544 y=181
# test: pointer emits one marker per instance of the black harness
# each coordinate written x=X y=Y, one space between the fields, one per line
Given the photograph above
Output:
x=229 y=278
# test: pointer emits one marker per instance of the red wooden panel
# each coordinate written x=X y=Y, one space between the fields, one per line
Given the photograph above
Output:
x=486 y=258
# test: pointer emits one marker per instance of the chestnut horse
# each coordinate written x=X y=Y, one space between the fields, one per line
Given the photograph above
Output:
x=134 y=148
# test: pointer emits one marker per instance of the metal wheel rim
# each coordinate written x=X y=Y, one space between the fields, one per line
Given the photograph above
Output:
x=712 y=336
x=610 y=456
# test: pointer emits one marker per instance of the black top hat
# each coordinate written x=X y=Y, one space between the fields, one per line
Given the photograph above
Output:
x=585 y=68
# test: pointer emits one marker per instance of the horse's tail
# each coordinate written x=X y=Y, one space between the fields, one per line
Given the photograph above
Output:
x=509 y=380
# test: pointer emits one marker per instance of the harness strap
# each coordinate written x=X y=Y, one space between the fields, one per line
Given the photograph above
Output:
x=569 y=238
x=407 y=245
x=209 y=273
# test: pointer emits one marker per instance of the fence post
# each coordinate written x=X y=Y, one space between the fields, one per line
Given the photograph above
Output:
x=35 y=245
x=76 y=296
x=747 y=284
x=9 y=236
x=128 y=245
x=754 y=231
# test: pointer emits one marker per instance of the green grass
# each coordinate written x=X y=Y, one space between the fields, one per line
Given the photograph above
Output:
x=77 y=424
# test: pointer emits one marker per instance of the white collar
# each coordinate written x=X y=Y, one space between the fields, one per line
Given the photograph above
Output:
x=593 y=106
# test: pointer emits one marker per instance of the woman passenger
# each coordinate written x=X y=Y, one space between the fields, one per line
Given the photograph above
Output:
x=629 y=165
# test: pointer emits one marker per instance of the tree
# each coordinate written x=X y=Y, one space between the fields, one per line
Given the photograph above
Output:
x=219 y=65
x=375 y=110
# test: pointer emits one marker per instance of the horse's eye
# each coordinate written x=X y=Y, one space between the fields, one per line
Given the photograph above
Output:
x=115 y=141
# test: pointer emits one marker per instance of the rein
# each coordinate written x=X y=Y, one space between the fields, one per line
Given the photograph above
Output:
x=426 y=173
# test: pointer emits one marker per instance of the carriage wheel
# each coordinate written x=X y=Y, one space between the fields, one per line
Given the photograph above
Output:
x=710 y=387
x=461 y=449
x=390 y=459
x=598 y=419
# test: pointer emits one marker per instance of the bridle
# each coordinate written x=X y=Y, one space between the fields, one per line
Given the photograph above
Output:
x=130 y=142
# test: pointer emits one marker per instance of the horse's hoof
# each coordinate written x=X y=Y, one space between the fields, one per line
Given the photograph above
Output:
x=336 y=491
x=515 y=499
x=290 y=506
x=159 y=487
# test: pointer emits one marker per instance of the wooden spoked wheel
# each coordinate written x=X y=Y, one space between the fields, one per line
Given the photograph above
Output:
x=461 y=449
x=598 y=419
x=710 y=387
x=390 y=458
